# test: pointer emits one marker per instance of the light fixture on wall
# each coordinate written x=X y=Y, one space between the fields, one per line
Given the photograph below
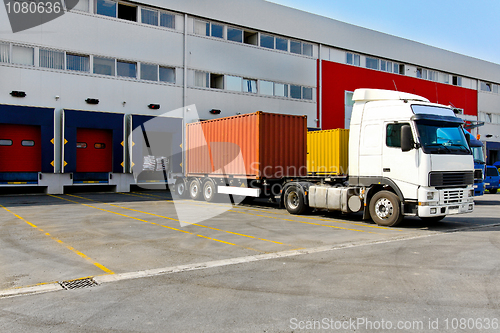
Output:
x=92 y=101
x=16 y=93
x=154 y=106
x=214 y=111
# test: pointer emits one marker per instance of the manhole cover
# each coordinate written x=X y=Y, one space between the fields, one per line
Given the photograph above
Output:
x=78 y=283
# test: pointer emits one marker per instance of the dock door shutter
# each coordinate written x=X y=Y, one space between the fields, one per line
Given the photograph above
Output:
x=94 y=150
x=20 y=148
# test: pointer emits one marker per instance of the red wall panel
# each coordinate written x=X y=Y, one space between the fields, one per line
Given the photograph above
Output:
x=92 y=159
x=19 y=157
x=338 y=78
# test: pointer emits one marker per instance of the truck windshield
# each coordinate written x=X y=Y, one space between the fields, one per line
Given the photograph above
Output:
x=440 y=137
x=478 y=155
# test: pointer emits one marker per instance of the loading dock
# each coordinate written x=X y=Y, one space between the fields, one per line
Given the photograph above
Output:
x=26 y=146
x=93 y=149
x=155 y=152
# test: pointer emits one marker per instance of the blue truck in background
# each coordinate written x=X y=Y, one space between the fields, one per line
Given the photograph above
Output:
x=479 y=166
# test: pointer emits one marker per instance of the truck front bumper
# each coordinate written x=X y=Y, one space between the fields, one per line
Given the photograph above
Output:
x=445 y=202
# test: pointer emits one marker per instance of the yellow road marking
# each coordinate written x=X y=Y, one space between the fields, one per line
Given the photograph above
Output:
x=153 y=223
x=277 y=213
x=196 y=224
x=62 y=243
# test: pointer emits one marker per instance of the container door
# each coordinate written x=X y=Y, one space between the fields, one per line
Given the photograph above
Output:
x=20 y=148
x=94 y=150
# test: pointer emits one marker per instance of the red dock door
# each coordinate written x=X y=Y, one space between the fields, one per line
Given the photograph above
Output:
x=20 y=148
x=94 y=150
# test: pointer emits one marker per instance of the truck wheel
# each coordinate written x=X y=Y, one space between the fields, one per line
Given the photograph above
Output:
x=294 y=200
x=385 y=209
x=195 y=189
x=180 y=188
x=493 y=190
x=209 y=191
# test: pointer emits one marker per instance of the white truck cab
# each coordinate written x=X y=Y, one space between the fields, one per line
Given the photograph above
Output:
x=416 y=150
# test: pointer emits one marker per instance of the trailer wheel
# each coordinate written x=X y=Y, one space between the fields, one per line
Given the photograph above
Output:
x=209 y=191
x=195 y=189
x=385 y=209
x=180 y=188
x=294 y=200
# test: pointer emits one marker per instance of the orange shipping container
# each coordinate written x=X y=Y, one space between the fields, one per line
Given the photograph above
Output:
x=255 y=146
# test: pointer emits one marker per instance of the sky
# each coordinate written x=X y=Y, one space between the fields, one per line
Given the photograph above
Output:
x=469 y=27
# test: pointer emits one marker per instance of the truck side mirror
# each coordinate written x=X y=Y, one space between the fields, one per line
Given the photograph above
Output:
x=407 y=143
x=467 y=138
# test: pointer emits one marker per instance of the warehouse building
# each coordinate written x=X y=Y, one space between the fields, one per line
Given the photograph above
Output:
x=72 y=89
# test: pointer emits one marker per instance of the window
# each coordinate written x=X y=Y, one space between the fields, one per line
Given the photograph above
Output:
x=4 y=52
x=296 y=92
x=201 y=28
x=75 y=62
x=99 y=145
x=432 y=75
x=5 y=142
x=106 y=8
x=281 y=44
x=353 y=59
x=267 y=41
x=267 y=88
x=401 y=69
x=444 y=78
x=234 y=83
x=307 y=49
x=167 y=20
x=383 y=65
x=281 y=90
x=250 y=86
x=149 y=16
x=28 y=143
x=22 y=55
x=457 y=81
x=486 y=86
x=295 y=47
x=126 y=69
x=371 y=63
x=307 y=93
x=420 y=73
x=81 y=145
x=393 y=135
x=216 y=81
x=217 y=31
x=251 y=37
x=167 y=74
x=201 y=79
x=127 y=12
x=51 y=59
x=82 y=5
x=104 y=66
x=235 y=35
x=149 y=72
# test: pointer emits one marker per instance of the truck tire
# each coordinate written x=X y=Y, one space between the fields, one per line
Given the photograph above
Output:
x=385 y=209
x=294 y=200
x=180 y=188
x=209 y=191
x=493 y=191
x=195 y=189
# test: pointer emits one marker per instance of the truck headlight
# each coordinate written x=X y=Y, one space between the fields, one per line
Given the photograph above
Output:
x=471 y=193
x=430 y=195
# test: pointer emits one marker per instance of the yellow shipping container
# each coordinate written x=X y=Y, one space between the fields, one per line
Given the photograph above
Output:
x=328 y=152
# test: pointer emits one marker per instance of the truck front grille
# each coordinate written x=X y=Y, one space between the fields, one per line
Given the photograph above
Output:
x=452 y=196
x=440 y=179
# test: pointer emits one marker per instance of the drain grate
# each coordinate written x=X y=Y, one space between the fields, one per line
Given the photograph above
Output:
x=78 y=283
